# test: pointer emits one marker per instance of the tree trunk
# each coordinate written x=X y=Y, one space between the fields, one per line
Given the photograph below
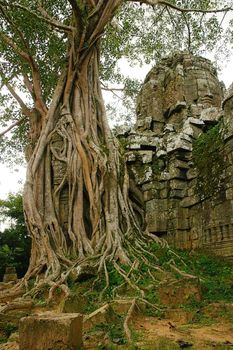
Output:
x=76 y=197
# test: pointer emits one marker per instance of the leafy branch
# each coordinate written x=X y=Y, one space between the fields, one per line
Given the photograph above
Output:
x=45 y=17
x=180 y=9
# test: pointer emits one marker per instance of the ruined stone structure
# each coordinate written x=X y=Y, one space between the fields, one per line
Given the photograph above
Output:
x=180 y=100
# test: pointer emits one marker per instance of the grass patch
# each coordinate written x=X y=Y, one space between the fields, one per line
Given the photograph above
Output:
x=214 y=274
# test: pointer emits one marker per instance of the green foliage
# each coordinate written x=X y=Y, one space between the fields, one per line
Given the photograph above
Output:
x=209 y=161
x=5 y=331
x=15 y=244
x=8 y=329
x=216 y=275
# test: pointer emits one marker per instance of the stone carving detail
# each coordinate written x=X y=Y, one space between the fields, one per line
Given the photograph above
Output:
x=181 y=99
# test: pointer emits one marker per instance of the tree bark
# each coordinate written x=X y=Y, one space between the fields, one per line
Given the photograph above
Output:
x=76 y=196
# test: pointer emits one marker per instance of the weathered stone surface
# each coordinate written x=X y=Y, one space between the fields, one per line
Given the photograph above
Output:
x=156 y=212
x=210 y=115
x=51 y=331
x=10 y=275
x=228 y=112
x=180 y=100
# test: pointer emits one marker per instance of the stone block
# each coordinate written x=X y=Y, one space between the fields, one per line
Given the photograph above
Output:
x=177 y=193
x=179 y=143
x=10 y=275
x=210 y=114
x=196 y=121
x=51 y=331
x=131 y=157
x=229 y=193
x=191 y=174
x=145 y=156
x=189 y=201
x=177 y=173
x=163 y=193
x=181 y=219
x=157 y=127
x=156 y=215
x=177 y=184
x=157 y=185
x=164 y=176
x=181 y=164
x=151 y=194
x=143 y=173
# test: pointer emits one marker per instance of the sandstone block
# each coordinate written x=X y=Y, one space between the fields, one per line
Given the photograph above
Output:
x=189 y=201
x=178 y=185
x=51 y=332
x=10 y=275
x=156 y=211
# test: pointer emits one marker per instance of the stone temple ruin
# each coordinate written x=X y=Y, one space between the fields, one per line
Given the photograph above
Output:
x=180 y=100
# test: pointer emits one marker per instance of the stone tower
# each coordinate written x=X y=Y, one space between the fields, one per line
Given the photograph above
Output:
x=180 y=100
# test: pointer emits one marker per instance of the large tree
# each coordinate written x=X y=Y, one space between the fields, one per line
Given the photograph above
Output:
x=54 y=53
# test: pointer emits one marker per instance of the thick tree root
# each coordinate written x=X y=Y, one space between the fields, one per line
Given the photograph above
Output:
x=127 y=321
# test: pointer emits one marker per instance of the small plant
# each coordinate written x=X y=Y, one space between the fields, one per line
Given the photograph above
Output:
x=209 y=161
x=3 y=339
x=8 y=329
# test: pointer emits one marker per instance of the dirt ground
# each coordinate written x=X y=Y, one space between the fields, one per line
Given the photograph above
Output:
x=153 y=333
x=176 y=329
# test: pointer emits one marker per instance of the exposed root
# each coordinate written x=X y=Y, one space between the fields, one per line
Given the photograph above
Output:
x=127 y=279
x=182 y=273
x=127 y=320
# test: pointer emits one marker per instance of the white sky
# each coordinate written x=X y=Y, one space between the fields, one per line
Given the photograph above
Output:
x=11 y=180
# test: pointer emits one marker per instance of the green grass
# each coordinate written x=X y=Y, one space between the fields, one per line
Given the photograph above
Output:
x=214 y=274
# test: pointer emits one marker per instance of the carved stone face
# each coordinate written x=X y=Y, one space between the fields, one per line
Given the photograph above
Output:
x=202 y=87
x=175 y=84
x=196 y=83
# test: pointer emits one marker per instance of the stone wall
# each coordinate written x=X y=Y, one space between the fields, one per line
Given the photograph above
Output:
x=181 y=99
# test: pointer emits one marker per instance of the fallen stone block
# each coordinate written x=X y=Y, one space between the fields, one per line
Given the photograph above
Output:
x=10 y=275
x=51 y=331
